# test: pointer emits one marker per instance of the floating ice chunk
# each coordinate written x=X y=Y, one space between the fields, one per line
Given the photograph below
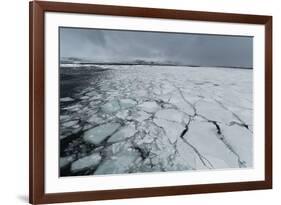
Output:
x=150 y=128
x=173 y=130
x=184 y=106
x=230 y=95
x=96 y=97
x=64 y=161
x=87 y=126
x=203 y=136
x=66 y=99
x=98 y=134
x=165 y=98
x=76 y=129
x=162 y=153
x=167 y=88
x=86 y=162
x=70 y=123
x=73 y=107
x=244 y=115
x=140 y=116
x=92 y=93
x=150 y=106
x=95 y=119
x=111 y=106
x=214 y=111
x=241 y=140
x=141 y=93
x=65 y=117
x=84 y=97
x=187 y=156
x=170 y=114
x=95 y=104
x=123 y=114
x=65 y=135
x=147 y=139
x=118 y=147
x=216 y=162
x=123 y=133
x=127 y=103
x=120 y=163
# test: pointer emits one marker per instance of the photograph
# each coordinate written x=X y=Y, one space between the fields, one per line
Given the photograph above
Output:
x=148 y=101
x=131 y=102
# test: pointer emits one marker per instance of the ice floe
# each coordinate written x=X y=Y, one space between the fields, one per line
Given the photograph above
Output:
x=90 y=161
x=97 y=134
x=66 y=99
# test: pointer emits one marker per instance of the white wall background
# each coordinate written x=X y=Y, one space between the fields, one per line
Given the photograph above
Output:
x=14 y=100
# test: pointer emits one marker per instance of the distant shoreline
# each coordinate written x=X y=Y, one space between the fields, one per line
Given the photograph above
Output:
x=150 y=64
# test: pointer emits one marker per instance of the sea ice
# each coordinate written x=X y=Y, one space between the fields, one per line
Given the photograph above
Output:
x=97 y=134
x=127 y=103
x=203 y=136
x=66 y=99
x=86 y=162
x=143 y=118
x=241 y=140
x=172 y=130
x=150 y=107
x=140 y=116
x=64 y=161
x=171 y=115
x=111 y=107
x=123 y=114
x=70 y=123
x=120 y=163
x=213 y=111
x=122 y=134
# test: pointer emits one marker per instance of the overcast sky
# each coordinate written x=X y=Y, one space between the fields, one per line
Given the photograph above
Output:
x=117 y=46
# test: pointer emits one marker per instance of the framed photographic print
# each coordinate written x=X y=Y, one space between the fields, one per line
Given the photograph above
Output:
x=139 y=102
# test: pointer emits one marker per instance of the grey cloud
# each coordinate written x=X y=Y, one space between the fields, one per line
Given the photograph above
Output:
x=115 y=45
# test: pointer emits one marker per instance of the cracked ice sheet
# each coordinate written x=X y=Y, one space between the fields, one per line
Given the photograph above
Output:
x=241 y=140
x=203 y=136
x=135 y=116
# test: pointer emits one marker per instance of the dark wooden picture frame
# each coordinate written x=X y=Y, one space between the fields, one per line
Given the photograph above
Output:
x=37 y=193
